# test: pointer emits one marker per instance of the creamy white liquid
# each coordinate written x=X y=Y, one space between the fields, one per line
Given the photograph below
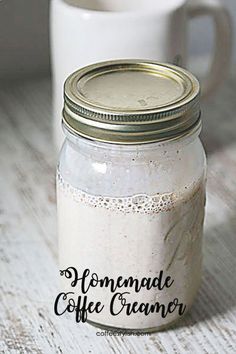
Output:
x=134 y=236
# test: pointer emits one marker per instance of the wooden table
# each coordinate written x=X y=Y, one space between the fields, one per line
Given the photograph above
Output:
x=28 y=245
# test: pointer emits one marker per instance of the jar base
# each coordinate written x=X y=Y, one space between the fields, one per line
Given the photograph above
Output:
x=135 y=330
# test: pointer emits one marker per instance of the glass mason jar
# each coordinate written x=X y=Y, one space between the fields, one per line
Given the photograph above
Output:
x=131 y=192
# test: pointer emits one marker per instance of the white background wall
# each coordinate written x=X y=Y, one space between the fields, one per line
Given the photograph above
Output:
x=24 y=44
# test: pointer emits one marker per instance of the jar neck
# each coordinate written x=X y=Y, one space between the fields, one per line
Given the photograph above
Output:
x=83 y=143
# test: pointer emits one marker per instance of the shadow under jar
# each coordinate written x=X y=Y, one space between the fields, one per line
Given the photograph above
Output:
x=131 y=191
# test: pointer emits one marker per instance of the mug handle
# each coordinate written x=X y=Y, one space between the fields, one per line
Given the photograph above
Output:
x=223 y=40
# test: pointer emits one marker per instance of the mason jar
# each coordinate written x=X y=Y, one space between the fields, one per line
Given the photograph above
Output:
x=131 y=192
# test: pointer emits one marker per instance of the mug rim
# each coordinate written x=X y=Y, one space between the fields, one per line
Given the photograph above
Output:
x=141 y=11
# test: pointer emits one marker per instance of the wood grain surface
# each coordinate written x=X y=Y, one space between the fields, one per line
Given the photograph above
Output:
x=29 y=278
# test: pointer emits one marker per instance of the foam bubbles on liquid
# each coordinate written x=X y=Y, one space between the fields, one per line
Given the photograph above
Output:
x=139 y=203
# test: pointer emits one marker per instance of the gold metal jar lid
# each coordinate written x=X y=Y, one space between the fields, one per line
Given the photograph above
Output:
x=131 y=102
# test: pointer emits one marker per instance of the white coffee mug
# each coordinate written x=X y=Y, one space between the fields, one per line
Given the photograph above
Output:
x=88 y=31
